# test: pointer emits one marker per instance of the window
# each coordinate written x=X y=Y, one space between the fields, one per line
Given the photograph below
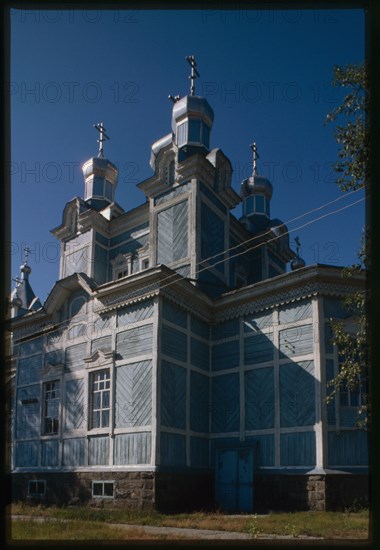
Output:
x=100 y=399
x=36 y=488
x=145 y=264
x=103 y=489
x=51 y=407
x=122 y=273
x=349 y=398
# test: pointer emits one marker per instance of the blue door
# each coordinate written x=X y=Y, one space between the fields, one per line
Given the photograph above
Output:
x=234 y=479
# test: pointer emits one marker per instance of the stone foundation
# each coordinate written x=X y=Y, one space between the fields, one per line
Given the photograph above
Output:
x=190 y=491
x=289 y=493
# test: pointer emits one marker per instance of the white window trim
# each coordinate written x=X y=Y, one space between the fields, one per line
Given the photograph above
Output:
x=103 y=481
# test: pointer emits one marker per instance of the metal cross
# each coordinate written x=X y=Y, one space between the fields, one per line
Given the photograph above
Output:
x=194 y=73
x=26 y=250
x=102 y=137
x=18 y=281
x=255 y=156
x=298 y=245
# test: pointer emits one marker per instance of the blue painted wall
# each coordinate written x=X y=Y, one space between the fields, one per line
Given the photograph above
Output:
x=173 y=449
x=199 y=402
x=133 y=448
x=133 y=395
x=173 y=395
x=259 y=399
x=348 y=448
x=73 y=451
x=297 y=394
x=225 y=404
x=298 y=449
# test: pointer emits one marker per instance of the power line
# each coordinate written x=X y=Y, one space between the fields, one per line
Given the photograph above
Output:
x=56 y=325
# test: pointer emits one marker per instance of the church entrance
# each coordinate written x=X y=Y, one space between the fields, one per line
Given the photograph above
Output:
x=234 y=479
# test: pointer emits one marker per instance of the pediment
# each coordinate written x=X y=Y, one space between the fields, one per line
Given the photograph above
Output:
x=51 y=370
x=63 y=289
x=100 y=357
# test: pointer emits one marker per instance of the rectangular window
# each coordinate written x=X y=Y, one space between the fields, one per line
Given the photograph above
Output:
x=103 y=489
x=181 y=134
x=145 y=264
x=100 y=399
x=36 y=488
x=51 y=407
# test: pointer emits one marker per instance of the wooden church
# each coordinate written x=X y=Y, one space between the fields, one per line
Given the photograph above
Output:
x=182 y=359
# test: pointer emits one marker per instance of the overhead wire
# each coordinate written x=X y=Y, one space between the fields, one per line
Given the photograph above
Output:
x=229 y=257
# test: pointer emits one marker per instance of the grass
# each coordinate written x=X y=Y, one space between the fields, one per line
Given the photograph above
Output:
x=91 y=523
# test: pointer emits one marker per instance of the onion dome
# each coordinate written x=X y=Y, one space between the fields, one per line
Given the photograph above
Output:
x=100 y=176
x=256 y=192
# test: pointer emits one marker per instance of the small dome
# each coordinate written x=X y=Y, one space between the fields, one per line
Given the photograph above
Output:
x=100 y=167
x=193 y=106
x=257 y=185
x=25 y=269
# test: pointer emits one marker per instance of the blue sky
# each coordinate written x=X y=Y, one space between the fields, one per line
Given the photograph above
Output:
x=266 y=74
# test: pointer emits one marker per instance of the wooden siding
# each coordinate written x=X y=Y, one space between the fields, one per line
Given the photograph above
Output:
x=74 y=403
x=225 y=355
x=296 y=341
x=221 y=442
x=174 y=314
x=27 y=453
x=298 y=449
x=199 y=402
x=199 y=354
x=172 y=233
x=264 y=449
x=297 y=394
x=173 y=449
x=174 y=343
x=212 y=197
x=100 y=264
x=200 y=328
x=73 y=451
x=295 y=312
x=330 y=406
x=28 y=423
x=225 y=330
x=55 y=357
x=134 y=342
x=348 y=416
x=75 y=356
x=168 y=195
x=133 y=395
x=348 y=448
x=29 y=370
x=258 y=349
x=76 y=331
x=101 y=343
x=77 y=262
x=173 y=395
x=98 y=450
x=132 y=448
x=199 y=452
x=32 y=346
x=49 y=453
x=255 y=323
x=259 y=399
x=212 y=236
x=225 y=403
x=135 y=313
x=329 y=348
x=127 y=235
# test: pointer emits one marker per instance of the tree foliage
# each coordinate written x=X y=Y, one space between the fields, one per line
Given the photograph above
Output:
x=352 y=134
x=351 y=335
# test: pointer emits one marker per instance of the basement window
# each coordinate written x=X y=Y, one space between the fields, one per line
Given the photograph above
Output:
x=36 y=488
x=103 y=489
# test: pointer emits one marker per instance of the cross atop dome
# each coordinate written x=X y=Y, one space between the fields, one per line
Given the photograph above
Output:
x=102 y=137
x=194 y=73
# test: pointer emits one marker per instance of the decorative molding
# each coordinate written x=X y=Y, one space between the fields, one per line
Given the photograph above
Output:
x=50 y=370
x=289 y=295
x=101 y=357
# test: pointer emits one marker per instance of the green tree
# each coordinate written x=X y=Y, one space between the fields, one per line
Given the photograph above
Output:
x=352 y=136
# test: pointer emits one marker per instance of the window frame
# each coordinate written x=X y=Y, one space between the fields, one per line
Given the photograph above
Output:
x=36 y=482
x=57 y=400
x=100 y=391
x=103 y=482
